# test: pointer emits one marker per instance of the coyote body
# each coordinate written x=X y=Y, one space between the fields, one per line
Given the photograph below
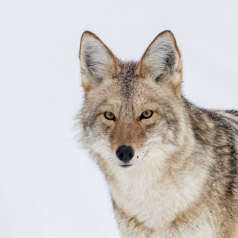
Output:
x=171 y=167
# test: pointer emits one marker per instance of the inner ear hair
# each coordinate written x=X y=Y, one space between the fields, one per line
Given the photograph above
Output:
x=162 y=60
x=98 y=63
x=169 y=61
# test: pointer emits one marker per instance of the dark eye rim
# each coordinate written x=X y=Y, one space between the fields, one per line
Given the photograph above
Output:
x=143 y=117
x=110 y=119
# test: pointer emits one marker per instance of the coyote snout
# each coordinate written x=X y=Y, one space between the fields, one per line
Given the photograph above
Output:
x=125 y=153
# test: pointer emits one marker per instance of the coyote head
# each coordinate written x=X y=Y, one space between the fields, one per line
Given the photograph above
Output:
x=133 y=112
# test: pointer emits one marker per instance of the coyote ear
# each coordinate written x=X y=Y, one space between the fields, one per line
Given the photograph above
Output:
x=162 y=60
x=97 y=61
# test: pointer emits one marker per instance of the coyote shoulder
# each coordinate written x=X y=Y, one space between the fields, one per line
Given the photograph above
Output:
x=171 y=167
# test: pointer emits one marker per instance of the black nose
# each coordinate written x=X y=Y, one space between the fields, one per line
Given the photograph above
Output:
x=125 y=153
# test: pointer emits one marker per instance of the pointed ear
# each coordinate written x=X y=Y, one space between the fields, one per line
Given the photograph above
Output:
x=98 y=64
x=162 y=60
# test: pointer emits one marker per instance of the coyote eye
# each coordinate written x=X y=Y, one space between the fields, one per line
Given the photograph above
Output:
x=109 y=116
x=146 y=114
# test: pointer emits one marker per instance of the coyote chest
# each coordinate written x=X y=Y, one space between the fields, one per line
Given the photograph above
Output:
x=153 y=202
x=171 y=167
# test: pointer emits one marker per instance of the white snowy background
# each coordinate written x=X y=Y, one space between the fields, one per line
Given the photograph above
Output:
x=49 y=187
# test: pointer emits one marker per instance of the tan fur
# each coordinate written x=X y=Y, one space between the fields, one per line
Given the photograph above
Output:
x=183 y=178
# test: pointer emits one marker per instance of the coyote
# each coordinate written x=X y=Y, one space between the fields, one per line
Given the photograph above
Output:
x=171 y=166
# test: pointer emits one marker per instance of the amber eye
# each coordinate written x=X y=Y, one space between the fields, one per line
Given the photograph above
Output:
x=146 y=114
x=109 y=116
